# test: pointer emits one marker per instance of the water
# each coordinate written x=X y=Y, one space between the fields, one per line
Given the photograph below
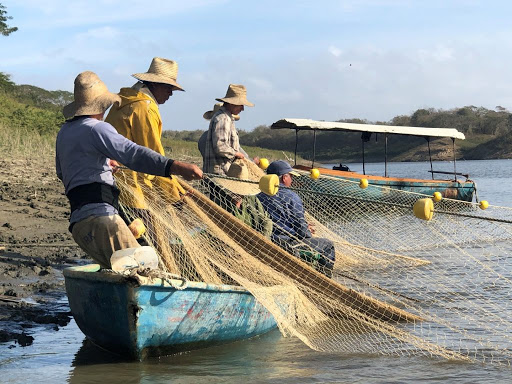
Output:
x=65 y=356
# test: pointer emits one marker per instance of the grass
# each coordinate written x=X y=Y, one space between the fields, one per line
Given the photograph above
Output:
x=182 y=149
x=24 y=143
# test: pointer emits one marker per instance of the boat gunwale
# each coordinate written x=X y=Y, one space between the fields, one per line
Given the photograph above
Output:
x=91 y=272
x=348 y=174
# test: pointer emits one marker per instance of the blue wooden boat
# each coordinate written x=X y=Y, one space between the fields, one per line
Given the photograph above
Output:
x=141 y=320
x=454 y=188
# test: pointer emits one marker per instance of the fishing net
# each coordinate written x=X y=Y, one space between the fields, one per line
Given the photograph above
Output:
x=399 y=285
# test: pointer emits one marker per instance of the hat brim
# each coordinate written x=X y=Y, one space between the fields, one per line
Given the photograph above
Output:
x=236 y=101
x=208 y=115
x=98 y=105
x=242 y=187
x=154 y=78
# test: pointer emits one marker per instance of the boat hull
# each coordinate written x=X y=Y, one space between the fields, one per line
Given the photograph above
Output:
x=155 y=319
x=458 y=190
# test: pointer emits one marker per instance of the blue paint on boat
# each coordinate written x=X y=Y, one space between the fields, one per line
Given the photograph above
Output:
x=154 y=319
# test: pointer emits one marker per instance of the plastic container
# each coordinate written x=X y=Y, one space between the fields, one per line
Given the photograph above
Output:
x=129 y=258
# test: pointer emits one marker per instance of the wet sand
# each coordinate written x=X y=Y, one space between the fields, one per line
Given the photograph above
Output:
x=35 y=246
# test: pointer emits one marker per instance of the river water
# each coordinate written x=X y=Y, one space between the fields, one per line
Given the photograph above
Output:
x=66 y=357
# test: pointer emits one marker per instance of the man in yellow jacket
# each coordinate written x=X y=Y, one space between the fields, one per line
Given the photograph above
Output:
x=138 y=119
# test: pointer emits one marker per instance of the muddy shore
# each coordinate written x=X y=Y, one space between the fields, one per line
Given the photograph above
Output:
x=35 y=246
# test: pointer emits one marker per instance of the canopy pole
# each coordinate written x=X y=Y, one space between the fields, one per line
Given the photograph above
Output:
x=314 y=148
x=362 y=141
x=430 y=157
x=386 y=155
x=454 y=162
x=296 y=143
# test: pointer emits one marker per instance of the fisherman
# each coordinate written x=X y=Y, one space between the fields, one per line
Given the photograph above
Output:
x=84 y=147
x=222 y=142
x=291 y=231
x=138 y=119
x=201 y=143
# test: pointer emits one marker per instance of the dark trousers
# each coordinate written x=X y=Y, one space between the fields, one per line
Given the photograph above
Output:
x=316 y=251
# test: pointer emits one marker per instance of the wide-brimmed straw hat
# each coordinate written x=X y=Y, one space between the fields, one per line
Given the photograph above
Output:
x=161 y=71
x=241 y=169
x=236 y=95
x=209 y=114
x=91 y=96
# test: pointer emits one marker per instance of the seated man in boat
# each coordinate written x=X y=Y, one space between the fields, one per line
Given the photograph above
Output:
x=84 y=147
x=240 y=198
x=222 y=142
x=291 y=231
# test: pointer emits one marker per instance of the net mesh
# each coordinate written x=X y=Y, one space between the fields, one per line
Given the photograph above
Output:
x=398 y=286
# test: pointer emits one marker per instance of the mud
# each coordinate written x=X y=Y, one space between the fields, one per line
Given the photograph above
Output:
x=35 y=246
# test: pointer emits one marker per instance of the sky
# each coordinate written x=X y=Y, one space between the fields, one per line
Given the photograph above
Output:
x=322 y=60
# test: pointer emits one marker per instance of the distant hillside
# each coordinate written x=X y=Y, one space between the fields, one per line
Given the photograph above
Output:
x=487 y=137
x=33 y=108
x=31 y=116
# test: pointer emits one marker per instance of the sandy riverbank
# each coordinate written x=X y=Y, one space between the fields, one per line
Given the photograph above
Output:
x=34 y=248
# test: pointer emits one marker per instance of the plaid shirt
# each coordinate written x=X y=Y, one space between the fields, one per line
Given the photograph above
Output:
x=221 y=143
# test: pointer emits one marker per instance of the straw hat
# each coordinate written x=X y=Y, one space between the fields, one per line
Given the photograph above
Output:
x=240 y=170
x=161 y=71
x=91 y=96
x=209 y=114
x=236 y=95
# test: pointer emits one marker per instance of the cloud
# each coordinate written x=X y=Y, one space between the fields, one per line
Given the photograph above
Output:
x=439 y=53
x=102 y=33
x=65 y=13
x=336 y=52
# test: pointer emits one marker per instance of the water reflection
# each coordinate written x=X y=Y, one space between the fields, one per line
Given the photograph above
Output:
x=93 y=364
x=265 y=358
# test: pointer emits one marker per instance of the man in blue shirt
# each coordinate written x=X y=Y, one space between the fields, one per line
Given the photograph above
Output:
x=84 y=148
x=291 y=231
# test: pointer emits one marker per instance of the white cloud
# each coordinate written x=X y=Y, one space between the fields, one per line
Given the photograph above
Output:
x=439 y=53
x=73 y=13
x=335 y=51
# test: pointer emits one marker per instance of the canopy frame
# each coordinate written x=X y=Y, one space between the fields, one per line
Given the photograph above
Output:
x=427 y=133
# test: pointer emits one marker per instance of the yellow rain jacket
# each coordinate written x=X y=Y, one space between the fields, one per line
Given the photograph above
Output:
x=138 y=119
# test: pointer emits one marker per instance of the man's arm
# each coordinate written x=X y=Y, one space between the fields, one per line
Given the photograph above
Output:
x=298 y=220
x=139 y=158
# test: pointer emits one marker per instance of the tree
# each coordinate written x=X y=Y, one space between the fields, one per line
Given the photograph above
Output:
x=4 y=28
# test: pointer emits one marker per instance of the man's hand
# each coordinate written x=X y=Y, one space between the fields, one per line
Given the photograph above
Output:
x=239 y=155
x=187 y=170
x=311 y=228
x=114 y=165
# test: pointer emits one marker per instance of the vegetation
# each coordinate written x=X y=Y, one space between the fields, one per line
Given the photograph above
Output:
x=487 y=137
x=30 y=118
x=187 y=149
x=4 y=28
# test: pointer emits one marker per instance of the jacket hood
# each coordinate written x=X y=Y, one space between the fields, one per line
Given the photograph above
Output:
x=130 y=95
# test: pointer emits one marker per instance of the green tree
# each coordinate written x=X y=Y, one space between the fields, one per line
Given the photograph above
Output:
x=5 y=82
x=4 y=28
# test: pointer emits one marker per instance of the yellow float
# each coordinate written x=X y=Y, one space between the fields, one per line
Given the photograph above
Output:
x=269 y=184
x=424 y=209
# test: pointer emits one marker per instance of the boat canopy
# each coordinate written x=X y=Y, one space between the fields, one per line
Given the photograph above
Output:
x=307 y=124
